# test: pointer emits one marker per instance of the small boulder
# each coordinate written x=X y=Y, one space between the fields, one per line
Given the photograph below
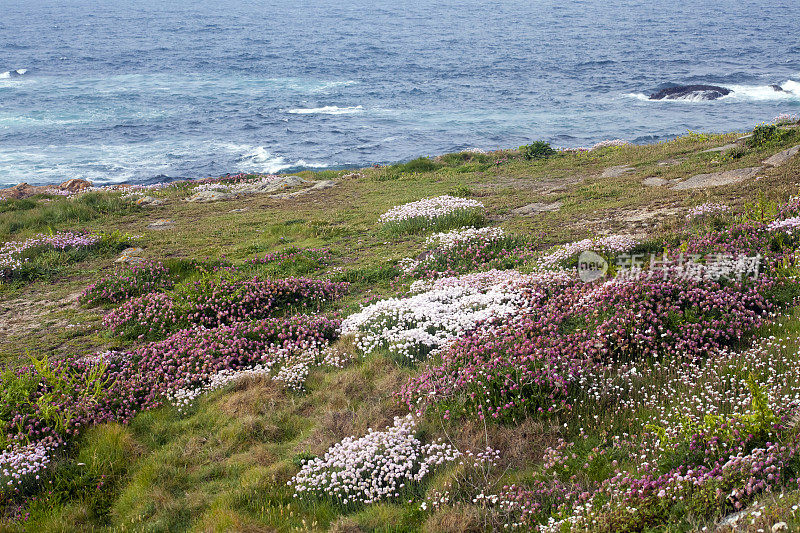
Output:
x=655 y=182
x=318 y=186
x=720 y=148
x=23 y=190
x=130 y=255
x=210 y=196
x=716 y=179
x=671 y=162
x=782 y=157
x=149 y=201
x=161 y=223
x=615 y=172
x=537 y=207
x=75 y=185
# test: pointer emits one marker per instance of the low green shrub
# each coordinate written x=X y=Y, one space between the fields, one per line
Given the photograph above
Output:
x=766 y=135
x=420 y=164
x=536 y=150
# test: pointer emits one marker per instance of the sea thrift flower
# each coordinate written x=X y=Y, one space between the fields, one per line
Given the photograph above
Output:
x=382 y=465
x=706 y=209
x=611 y=244
x=416 y=326
x=138 y=279
x=14 y=254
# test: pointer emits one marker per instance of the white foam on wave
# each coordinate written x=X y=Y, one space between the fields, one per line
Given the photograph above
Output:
x=258 y=159
x=327 y=110
x=791 y=91
x=637 y=96
x=13 y=73
x=325 y=86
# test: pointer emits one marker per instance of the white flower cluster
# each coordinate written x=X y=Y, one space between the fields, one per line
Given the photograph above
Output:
x=789 y=225
x=18 y=461
x=11 y=252
x=509 y=280
x=421 y=324
x=295 y=369
x=378 y=466
x=609 y=142
x=611 y=243
x=429 y=208
x=708 y=208
x=451 y=239
x=443 y=310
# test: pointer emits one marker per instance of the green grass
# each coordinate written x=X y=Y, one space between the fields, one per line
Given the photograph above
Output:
x=20 y=217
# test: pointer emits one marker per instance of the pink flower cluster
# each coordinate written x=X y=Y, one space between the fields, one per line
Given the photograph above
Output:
x=80 y=392
x=461 y=251
x=19 y=461
x=610 y=244
x=789 y=225
x=535 y=361
x=215 y=301
x=135 y=280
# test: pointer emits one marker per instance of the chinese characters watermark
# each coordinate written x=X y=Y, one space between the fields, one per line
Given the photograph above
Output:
x=714 y=267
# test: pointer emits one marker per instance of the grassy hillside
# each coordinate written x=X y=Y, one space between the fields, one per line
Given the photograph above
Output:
x=199 y=384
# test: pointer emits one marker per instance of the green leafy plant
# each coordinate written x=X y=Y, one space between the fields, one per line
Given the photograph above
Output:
x=766 y=135
x=536 y=150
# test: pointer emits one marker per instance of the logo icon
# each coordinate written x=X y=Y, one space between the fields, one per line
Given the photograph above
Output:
x=591 y=266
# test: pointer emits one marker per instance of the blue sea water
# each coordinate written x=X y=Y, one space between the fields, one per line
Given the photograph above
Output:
x=138 y=90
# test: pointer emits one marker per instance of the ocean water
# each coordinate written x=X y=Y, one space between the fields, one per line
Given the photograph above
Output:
x=143 y=90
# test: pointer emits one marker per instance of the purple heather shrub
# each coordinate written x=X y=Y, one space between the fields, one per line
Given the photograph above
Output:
x=135 y=280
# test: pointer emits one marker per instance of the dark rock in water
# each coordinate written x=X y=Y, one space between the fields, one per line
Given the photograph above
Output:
x=778 y=89
x=691 y=92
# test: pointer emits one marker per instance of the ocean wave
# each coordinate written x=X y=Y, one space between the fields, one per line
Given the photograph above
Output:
x=790 y=90
x=14 y=73
x=327 y=85
x=327 y=110
x=259 y=159
x=637 y=96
